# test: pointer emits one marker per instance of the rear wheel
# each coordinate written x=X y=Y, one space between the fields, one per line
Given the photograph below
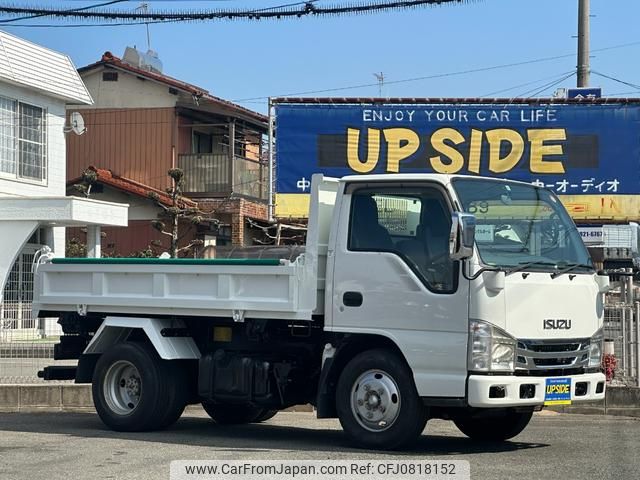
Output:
x=226 y=414
x=266 y=415
x=377 y=401
x=494 y=428
x=178 y=394
x=134 y=390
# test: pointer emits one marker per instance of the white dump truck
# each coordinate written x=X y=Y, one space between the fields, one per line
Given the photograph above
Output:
x=416 y=297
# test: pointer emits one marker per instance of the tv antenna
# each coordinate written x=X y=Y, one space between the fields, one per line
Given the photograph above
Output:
x=380 y=78
x=76 y=124
x=144 y=8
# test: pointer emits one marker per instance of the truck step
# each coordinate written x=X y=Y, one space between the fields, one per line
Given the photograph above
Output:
x=58 y=372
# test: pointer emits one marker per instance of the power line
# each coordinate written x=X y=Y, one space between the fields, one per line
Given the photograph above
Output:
x=533 y=82
x=415 y=79
x=91 y=25
x=292 y=10
x=542 y=88
x=37 y=15
x=622 y=93
x=440 y=75
x=628 y=84
x=547 y=86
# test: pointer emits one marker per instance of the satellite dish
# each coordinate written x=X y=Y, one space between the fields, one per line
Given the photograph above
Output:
x=76 y=124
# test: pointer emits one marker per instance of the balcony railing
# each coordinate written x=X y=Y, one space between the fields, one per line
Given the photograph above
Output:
x=210 y=174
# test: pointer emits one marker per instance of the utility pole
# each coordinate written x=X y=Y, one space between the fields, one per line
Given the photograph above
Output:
x=583 y=43
x=270 y=206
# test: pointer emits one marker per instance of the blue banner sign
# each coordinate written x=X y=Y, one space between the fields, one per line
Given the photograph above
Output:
x=571 y=149
x=584 y=93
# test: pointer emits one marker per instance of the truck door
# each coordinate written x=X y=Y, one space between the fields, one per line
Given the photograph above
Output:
x=392 y=276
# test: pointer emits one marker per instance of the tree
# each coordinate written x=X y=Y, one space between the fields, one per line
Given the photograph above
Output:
x=75 y=248
x=88 y=178
x=179 y=209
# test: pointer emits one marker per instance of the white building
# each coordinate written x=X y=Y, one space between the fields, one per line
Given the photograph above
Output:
x=36 y=85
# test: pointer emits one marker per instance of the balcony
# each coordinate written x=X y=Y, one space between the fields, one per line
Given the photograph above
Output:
x=213 y=175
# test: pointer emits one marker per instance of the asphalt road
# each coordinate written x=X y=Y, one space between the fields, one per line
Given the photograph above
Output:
x=76 y=446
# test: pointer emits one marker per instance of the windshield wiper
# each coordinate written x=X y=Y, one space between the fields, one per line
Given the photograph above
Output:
x=525 y=265
x=570 y=267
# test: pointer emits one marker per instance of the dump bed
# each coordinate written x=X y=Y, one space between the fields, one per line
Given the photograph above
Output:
x=263 y=288
x=230 y=288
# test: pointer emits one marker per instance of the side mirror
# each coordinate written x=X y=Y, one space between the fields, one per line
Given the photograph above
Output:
x=462 y=235
x=603 y=283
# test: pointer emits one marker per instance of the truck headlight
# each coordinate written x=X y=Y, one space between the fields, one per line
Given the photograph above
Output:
x=491 y=349
x=595 y=349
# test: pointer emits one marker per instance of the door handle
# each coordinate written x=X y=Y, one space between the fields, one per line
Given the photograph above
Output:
x=352 y=299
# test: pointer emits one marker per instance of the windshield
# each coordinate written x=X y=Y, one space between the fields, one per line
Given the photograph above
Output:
x=519 y=225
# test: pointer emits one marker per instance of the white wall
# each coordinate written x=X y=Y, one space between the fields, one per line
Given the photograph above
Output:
x=59 y=241
x=55 y=184
x=139 y=208
x=128 y=92
x=56 y=149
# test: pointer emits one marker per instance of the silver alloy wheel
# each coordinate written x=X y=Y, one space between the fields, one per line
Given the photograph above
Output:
x=122 y=387
x=375 y=400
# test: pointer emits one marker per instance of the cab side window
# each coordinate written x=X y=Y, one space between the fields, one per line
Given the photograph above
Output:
x=412 y=224
x=366 y=231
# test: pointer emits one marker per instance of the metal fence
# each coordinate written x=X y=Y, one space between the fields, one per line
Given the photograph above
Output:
x=622 y=339
x=25 y=351
x=212 y=173
x=26 y=342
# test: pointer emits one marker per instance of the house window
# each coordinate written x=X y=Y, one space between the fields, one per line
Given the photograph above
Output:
x=109 y=76
x=22 y=140
x=202 y=142
x=7 y=136
x=241 y=144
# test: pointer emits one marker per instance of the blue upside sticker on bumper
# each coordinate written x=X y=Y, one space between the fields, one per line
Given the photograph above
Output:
x=557 y=391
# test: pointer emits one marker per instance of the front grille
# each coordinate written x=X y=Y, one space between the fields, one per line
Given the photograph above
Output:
x=554 y=362
x=557 y=372
x=562 y=347
x=552 y=357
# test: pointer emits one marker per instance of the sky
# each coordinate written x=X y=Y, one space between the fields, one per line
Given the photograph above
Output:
x=248 y=61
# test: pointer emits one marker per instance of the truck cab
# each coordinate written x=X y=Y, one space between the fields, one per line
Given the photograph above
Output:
x=418 y=296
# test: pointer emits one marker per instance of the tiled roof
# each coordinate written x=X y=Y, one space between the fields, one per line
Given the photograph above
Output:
x=110 y=59
x=106 y=177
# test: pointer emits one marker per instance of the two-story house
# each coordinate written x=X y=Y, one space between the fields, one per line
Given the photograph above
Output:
x=143 y=123
x=36 y=85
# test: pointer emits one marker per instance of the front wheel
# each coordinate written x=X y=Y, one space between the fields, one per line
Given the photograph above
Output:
x=498 y=427
x=377 y=402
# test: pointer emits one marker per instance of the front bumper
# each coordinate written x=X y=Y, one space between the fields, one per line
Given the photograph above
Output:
x=479 y=386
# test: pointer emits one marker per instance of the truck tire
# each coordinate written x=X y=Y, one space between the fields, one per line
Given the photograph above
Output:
x=225 y=414
x=133 y=389
x=178 y=394
x=495 y=428
x=377 y=402
x=266 y=415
